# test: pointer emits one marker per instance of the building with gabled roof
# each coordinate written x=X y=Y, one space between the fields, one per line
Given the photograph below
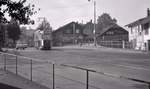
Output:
x=113 y=33
x=139 y=33
x=71 y=33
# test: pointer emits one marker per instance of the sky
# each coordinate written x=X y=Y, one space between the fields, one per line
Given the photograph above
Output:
x=61 y=12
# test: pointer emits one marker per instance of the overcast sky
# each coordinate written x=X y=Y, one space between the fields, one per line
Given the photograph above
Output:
x=61 y=12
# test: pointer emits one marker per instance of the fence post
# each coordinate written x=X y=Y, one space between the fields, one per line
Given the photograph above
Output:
x=87 y=79
x=16 y=65
x=123 y=44
x=31 y=69
x=53 y=76
x=111 y=44
x=5 y=62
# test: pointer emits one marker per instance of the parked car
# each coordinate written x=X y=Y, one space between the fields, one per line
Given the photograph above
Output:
x=21 y=46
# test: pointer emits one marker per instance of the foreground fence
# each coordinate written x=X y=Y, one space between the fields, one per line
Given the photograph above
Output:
x=34 y=69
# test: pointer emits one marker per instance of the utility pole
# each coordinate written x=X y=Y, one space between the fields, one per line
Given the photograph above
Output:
x=94 y=30
x=74 y=32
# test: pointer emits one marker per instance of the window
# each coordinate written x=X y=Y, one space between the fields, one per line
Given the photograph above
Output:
x=131 y=30
x=146 y=28
x=68 y=31
x=103 y=37
x=140 y=33
x=110 y=33
x=139 y=30
x=77 y=31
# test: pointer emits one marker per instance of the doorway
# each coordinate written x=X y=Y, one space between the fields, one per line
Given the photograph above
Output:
x=149 y=45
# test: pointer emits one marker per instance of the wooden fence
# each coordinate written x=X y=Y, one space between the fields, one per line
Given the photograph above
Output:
x=115 y=44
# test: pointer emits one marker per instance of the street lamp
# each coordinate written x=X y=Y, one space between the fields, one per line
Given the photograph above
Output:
x=94 y=30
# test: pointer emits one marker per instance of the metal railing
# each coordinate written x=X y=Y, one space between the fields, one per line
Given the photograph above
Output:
x=33 y=61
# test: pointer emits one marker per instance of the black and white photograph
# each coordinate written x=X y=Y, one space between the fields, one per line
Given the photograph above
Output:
x=74 y=44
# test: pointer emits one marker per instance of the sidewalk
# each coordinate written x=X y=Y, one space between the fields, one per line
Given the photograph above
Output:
x=19 y=82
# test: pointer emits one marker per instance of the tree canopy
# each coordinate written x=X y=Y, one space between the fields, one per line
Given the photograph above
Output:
x=104 y=21
x=13 y=31
x=17 y=10
x=44 y=25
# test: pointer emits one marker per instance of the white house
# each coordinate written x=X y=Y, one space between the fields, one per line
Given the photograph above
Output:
x=139 y=33
x=38 y=41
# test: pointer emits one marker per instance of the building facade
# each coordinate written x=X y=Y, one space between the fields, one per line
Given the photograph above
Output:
x=113 y=33
x=71 y=33
x=38 y=41
x=113 y=36
x=139 y=33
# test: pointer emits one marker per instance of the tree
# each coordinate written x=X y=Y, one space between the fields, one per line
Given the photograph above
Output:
x=44 y=25
x=1 y=36
x=20 y=12
x=13 y=31
x=104 y=21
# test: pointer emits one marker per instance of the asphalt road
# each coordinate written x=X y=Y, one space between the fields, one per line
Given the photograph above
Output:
x=112 y=65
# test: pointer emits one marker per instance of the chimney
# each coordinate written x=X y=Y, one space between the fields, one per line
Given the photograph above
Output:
x=148 y=12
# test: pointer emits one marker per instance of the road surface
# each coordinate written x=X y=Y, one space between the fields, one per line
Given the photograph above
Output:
x=112 y=66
